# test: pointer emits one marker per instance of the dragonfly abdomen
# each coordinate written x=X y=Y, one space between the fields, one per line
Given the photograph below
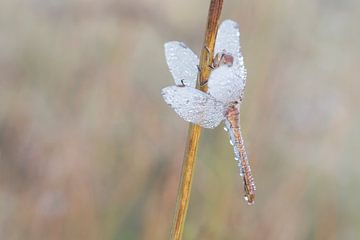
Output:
x=232 y=124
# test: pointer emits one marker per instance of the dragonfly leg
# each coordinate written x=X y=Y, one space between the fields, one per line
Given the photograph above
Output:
x=182 y=83
x=207 y=49
x=211 y=66
x=204 y=83
x=209 y=58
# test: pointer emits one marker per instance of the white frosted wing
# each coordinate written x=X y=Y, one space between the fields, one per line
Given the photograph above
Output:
x=225 y=85
x=182 y=63
x=228 y=40
x=194 y=105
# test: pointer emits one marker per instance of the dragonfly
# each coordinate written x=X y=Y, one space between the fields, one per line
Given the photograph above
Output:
x=222 y=100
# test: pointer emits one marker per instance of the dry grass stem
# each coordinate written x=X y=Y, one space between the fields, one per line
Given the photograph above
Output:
x=206 y=59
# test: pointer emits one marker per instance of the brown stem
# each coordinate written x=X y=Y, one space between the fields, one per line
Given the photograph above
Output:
x=206 y=59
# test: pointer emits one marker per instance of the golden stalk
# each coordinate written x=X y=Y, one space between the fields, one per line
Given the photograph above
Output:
x=194 y=132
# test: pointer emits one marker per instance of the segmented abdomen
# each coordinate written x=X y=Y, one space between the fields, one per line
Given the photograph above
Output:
x=232 y=126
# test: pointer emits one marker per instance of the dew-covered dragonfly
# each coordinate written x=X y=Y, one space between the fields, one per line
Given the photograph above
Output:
x=225 y=92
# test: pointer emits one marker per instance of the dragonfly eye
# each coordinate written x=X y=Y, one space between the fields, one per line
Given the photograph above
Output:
x=227 y=59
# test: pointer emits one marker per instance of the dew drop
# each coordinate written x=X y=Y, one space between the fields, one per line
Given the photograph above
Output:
x=225 y=128
x=231 y=142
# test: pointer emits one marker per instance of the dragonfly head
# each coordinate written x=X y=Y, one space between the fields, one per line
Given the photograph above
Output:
x=223 y=58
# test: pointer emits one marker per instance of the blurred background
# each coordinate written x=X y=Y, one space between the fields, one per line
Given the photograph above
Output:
x=89 y=150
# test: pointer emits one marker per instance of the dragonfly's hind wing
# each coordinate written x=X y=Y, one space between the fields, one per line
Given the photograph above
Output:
x=225 y=85
x=194 y=105
x=228 y=40
x=182 y=63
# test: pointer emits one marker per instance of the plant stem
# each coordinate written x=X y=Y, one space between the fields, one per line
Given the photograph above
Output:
x=206 y=59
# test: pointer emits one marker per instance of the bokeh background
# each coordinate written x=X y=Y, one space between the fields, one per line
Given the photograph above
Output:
x=89 y=150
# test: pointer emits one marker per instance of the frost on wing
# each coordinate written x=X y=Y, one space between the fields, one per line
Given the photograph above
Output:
x=194 y=105
x=225 y=85
x=182 y=63
x=228 y=40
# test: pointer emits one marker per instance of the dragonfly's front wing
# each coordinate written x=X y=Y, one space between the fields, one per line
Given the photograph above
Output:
x=228 y=40
x=194 y=105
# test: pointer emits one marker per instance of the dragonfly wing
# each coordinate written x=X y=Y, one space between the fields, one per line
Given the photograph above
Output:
x=182 y=63
x=228 y=40
x=194 y=105
x=225 y=85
